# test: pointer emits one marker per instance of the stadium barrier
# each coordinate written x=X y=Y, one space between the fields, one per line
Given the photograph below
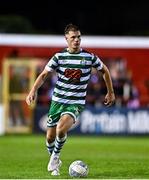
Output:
x=102 y=121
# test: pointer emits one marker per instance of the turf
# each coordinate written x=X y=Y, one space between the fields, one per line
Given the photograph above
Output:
x=25 y=157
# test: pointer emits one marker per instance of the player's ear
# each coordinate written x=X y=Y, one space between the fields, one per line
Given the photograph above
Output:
x=66 y=37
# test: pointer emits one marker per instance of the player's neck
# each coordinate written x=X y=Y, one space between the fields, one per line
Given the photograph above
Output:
x=71 y=50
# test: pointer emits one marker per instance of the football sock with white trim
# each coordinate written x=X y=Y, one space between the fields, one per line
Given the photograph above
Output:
x=50 y=147
x=59 y=142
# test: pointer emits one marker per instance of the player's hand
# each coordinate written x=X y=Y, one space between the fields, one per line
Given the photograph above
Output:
x=109 y=99
x=31 y=98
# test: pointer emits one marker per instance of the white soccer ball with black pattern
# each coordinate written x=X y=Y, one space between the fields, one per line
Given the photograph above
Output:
x=78 y=169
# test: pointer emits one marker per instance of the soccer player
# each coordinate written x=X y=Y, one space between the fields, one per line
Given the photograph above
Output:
x=73 y=66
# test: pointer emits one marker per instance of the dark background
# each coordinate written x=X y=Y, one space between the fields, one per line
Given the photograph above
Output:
x=94 y=17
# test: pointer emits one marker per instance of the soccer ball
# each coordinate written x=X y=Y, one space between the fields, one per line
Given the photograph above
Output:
x=78 y=169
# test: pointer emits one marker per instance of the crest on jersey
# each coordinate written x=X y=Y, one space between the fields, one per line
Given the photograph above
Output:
x=83 y=62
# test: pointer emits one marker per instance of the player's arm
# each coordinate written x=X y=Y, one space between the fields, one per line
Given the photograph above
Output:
x=39 y=81
x=110 y=96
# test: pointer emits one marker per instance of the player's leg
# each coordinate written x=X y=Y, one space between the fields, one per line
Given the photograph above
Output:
x=64 y=124
x=64 y=117
x=50 y=139
x=53 y=117
x=50 y=142
x=69 y=115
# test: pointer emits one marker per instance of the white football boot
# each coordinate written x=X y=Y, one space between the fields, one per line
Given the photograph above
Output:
x=54 y=164
x=55 y=172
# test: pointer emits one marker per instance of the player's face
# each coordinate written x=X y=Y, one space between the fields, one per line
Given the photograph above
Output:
x=73 y=39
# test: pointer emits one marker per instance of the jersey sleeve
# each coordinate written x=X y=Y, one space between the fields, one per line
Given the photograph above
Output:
x=97 y=63
x=52 y=64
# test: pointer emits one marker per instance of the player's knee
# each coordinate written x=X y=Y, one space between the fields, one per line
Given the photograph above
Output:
x=61 y=131
x=64 y=125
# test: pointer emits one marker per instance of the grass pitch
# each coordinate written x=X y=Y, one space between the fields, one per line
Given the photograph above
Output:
x=26 y=157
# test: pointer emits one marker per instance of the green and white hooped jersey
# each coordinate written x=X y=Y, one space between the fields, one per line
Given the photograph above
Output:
x=73 y=70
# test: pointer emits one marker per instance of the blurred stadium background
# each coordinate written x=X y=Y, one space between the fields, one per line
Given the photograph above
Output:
x=24 y=56
x=120 y=38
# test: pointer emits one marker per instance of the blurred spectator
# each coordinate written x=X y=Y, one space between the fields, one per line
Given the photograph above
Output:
x=130 y=92
x=16 y=86
x=44 y=92
x=133 y=101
